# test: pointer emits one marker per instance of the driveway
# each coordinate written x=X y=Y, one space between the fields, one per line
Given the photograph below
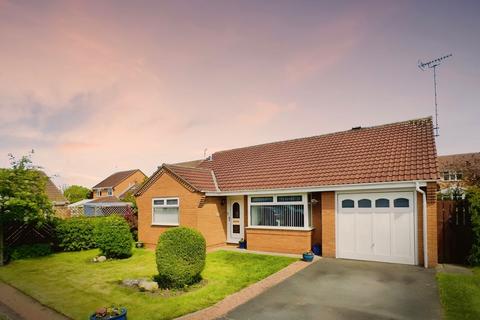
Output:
x=347 y=289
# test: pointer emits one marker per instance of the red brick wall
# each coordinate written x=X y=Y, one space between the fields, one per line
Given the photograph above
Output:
x=286 y=241
x=210 y=219
x=328 y=224
x=432 y=224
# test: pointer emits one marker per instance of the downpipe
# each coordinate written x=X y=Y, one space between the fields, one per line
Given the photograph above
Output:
x=424 y=227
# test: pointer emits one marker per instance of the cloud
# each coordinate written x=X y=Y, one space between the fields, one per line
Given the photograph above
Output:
x=264 y=112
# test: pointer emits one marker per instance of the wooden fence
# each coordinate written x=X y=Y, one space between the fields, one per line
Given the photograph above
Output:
x=454 y=231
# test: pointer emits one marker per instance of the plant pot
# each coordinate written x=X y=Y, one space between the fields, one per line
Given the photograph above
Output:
x=139 y=244
x=121 y=316
x=242 y=245
x=308 y=257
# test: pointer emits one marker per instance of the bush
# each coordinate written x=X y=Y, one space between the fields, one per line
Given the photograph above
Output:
x=113 y=237
x=180 y=257
x=30 y=251
x=76 y=234
x=473 y=199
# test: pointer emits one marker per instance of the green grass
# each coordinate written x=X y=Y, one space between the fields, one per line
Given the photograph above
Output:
x=460 y=295
x=71 y=284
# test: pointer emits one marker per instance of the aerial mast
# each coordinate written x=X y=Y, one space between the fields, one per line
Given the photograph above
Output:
x=433 y=65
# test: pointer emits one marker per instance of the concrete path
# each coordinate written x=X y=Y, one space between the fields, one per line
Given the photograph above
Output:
x=15 y=305
x=347 y=289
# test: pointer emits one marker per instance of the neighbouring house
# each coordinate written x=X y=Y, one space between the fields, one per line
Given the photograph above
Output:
x=456 y=170
x=108 y=195
x=60 y=203
x=366 y=193
x=119 y=184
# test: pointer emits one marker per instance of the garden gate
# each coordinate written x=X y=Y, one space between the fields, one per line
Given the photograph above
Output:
x=454 y=231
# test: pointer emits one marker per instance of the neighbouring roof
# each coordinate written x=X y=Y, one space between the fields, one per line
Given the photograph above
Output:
x=79 y=203
x=108 y=199
x=115 y=179
x=53 y=193
x=402 y=151
x=459 y=162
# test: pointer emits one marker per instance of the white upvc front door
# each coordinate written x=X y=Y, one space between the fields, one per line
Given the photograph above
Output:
x=235 y=219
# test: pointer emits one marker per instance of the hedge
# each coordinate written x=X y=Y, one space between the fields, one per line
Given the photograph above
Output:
x=30 y=251
x=113 y=237
x=76 y=234
x=180 y=257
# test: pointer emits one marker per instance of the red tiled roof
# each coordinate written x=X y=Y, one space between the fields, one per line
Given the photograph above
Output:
x=201 y=179
x=115 y=179
x=402 y=151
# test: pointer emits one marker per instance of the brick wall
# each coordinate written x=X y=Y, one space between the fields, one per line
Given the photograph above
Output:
x=432 y=224
x=328 y=223
x=209 y=219
x=286 y=241
x=135 y=178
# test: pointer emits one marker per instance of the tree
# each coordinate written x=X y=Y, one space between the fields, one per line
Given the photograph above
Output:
x=22 y=195
x=76 y=193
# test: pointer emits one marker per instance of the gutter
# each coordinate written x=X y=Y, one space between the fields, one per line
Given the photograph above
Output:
x=424 y=214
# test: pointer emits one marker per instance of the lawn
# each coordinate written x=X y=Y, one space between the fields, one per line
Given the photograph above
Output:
x=460 y=295
x=71 y=284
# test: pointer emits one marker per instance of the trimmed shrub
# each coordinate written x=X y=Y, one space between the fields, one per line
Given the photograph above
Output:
x=76 y=234
x=113 y=237
x=180 y=257
x=30 y=251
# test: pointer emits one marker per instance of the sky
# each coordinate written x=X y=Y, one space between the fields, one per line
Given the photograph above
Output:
x=96 y=87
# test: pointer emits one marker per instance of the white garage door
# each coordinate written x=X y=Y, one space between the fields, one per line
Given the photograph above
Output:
x=376 y=226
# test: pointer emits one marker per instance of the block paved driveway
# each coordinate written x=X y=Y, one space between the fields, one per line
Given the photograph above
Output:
x=347 y=289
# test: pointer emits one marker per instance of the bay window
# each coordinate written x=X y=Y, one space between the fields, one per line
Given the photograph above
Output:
x=279 y=211
x=165 y=211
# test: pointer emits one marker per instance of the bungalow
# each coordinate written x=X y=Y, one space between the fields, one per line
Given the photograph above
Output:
x=366 y=193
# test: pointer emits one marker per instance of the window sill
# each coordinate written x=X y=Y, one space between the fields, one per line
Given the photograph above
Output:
x=280 y=228
x=165 y=224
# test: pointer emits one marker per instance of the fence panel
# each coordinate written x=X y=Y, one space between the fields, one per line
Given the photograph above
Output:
x=454 y=231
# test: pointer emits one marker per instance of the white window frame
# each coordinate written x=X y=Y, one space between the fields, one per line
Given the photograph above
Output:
x=98 y=192
x=110 y=192
x=165 y=205
x=307 y=223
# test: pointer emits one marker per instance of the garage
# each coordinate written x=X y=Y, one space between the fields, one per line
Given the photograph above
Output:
x=376 y=226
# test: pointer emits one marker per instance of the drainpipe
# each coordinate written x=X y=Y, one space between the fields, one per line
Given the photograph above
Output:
x=424 y=214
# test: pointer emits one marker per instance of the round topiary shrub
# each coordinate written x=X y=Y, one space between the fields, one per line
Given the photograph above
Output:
x=113 y=237
x=180 y=257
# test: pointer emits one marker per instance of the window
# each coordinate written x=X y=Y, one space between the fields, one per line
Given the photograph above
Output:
x=401 y=203
x=280 y=211
x=99 y=193
x=110 y=192
x=382 y=203
x=262 y=199
x=165 y=211
x=348 y=203
x=364 y=203
x=452 y=176
x=236 y=211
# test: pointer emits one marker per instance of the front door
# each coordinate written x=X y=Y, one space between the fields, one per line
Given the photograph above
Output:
x=235 y=219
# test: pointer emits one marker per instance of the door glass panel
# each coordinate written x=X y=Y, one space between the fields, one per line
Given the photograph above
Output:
x=236 y=228
x=347 y=203
x=382 y=203
x=236 y=211
x=364 y=203
x=401 y=203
